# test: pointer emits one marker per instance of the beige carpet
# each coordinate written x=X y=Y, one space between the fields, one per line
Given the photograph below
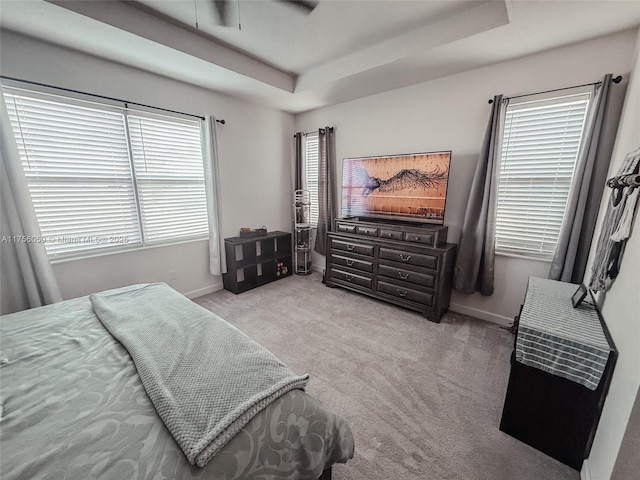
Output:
x=423 y=399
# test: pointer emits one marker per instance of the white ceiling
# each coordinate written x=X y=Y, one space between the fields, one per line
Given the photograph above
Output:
x=344 y=49
x=290 y=40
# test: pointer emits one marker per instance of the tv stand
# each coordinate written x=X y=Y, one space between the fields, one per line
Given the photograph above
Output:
x=404 y=263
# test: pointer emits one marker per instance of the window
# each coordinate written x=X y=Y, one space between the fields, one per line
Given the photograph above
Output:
x=167 y=158
x=311 y=169
x=103 y=177
x=540 y=144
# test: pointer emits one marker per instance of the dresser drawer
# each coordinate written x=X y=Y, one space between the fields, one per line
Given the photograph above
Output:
x=351 y=262
x=369 y=231
x=406 y=293
x=392 y=234
x=352 y=247
x=424 y=238
x=351 y=278
x=422 y=279
x=418 y=259
x=345 y=228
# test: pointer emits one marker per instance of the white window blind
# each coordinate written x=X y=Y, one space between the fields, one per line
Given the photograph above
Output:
x=101 y=177
x=311 y=174
x=78 y=171
x=540 y=145
x=167 y=157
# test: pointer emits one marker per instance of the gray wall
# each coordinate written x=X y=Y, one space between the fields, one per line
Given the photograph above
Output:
x=628 y=462
x=620 y=305
x=451 y=113
x=255 y=163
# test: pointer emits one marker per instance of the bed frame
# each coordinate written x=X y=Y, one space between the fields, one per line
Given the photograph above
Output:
x=326 y=475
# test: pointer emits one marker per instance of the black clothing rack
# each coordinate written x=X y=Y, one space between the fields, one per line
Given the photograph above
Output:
x=622 y=181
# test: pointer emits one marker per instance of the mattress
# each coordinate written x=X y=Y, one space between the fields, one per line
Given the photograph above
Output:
x=73 y=407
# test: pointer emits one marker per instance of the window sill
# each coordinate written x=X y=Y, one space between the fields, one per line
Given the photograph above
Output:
x=524 y=257
x=117 y=251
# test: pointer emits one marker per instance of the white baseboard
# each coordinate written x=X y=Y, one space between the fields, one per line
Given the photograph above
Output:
x=204 y=291
x=481 y=314
x=585 y=471
x=317 y=268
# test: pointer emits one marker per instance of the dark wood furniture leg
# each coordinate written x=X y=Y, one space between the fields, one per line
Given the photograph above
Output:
x=326 y=475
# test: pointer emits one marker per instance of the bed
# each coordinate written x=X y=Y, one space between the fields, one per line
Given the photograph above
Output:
x=74 y=407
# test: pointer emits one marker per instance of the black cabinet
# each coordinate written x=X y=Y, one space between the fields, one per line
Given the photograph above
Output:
x=544 y=409
x=252 y=262
x=405 y=264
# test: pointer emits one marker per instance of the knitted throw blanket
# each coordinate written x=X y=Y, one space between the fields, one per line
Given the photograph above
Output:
x=206 y=379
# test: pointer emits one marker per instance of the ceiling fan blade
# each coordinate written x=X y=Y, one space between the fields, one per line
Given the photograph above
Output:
x=306 y=6
x=221 y=7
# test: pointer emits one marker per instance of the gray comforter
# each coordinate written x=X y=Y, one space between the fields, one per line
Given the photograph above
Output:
x=73 y=407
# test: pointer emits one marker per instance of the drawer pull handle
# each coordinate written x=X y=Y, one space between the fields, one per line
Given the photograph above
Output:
x=349 y=277
x=350 y=262
x=404 y=276
x=405 y=258
x=402 y=293
x=351 y=247
x=416 y=238
x=389 y=235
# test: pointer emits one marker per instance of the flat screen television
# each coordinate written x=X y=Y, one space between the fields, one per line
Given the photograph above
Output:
x=409 y=187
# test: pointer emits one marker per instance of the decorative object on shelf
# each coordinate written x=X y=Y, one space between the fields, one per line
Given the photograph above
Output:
x=407 y=264
x=281 y=269
x=302 y=232
x=246 y=232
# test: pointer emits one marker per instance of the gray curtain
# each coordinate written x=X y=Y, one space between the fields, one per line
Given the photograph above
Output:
x=572 y=251
x=213 y=191
x=26 y=275
x=297 y=140
x=326 y=187
x=474 y=267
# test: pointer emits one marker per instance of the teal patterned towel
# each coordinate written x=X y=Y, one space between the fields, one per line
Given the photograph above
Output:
x=205 y=378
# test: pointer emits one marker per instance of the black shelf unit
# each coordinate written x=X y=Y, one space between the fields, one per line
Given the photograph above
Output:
x=252 y=262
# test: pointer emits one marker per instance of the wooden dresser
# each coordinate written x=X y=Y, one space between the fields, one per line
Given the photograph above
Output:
x=406 y=264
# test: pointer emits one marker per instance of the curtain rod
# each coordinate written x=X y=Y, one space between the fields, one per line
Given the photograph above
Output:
x=314 y=131
x=126 y=102
x=618 y=79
